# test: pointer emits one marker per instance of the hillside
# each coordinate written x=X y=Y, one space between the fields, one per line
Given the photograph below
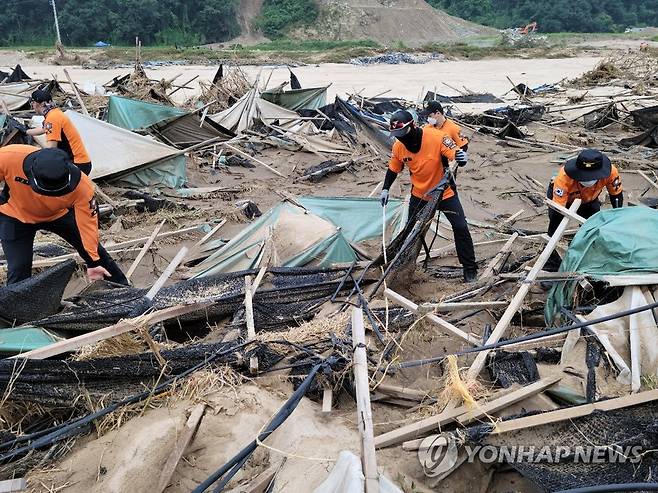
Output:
x=389 y=22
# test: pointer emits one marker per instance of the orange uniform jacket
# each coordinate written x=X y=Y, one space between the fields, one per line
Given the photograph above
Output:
x=452 y=130
x=566 y=189
x=425 y=166
x=60 y=129
x=29 y=207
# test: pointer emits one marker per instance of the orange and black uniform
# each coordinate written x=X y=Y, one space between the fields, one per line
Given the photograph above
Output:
x=426 y=169
x=72 y=216
x=452 y=130
x=60 y=129
x=564 y=190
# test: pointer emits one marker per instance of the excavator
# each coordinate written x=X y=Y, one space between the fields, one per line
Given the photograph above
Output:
x=530 y=28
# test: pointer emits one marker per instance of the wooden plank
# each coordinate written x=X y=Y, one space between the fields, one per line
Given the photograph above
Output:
x=460 y=306
x=120 y=327
x=364 y=411
x=144 y=249
x=173 y=265
x=410 y=305
x=517 y=301
x=564 y=211
x=422 y=427
x=249 y=316
x=575 y=412
x=184 y=439
x=402 y=392
x=493 y=265
x=13 y=485
x=261 y=483
x=327 y=400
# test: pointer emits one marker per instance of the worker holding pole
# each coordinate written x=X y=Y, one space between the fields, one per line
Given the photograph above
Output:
x=422 y=151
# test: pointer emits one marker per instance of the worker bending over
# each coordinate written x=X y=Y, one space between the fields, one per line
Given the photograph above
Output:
x=422 y=152
x=583 y=177
x=60 y=131
x=48 y=192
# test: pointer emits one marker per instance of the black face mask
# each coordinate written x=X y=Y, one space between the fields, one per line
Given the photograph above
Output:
x=413 y=140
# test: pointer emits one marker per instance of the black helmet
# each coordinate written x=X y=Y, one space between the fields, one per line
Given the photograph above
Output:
x=401 y=123
x=431 y=107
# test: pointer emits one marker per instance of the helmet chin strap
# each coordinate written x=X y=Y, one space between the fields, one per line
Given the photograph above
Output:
x=413 y=140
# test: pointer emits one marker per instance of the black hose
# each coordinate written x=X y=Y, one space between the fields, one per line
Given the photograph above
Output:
x=614 y=488
x=228 y=470
x=77 y=426
x=530 y=337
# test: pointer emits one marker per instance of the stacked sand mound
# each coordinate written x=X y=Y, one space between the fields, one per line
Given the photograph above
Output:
x=410 y=22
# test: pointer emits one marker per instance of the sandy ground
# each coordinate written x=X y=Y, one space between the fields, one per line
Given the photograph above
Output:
x=404 y=80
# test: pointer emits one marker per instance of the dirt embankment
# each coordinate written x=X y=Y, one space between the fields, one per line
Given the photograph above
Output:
x=410 y=22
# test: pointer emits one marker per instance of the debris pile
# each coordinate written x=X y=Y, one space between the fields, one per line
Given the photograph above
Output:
x=277 y=303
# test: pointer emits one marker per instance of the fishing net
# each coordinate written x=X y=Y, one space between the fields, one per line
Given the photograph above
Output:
x=617 y=430
x=18 y=303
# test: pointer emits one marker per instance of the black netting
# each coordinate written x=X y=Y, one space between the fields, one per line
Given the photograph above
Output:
x=55 y=382
x=18 y=302
x=625 y=428
x=297 y=295
x=506 y=369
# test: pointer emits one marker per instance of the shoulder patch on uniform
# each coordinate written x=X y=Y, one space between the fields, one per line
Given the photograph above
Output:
x=559 y=192
x=93 y=206
x=616 y=183
x=48 y=127
x=448 y=142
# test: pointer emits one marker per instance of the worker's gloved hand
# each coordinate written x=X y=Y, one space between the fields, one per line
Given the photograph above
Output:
x=97 y=273
x=383 y=197
x=461 y=157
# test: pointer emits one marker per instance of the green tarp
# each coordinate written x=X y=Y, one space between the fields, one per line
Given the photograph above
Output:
x=612 y=242
x=22 y=339
x=297 y=99
x=133 y=114
x=318 y=232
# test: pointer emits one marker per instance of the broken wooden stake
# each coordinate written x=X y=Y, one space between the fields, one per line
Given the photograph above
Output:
x=364 y=412
x=164 y=277
x=493 y=266
x=327 y=400
x=410 y=305
x=249 y=316
x=564 y=211
x=184 y=439
x=144 y=249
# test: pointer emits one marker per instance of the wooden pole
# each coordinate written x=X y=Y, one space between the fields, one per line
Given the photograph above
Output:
x=77 y=94
x=145 y=249
x=173 y=265
x=398 y=299
x=462 y=414
x=249 y=316
x=564 y=211
x=364 y=412
x=520 y=295
x=119 y=328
